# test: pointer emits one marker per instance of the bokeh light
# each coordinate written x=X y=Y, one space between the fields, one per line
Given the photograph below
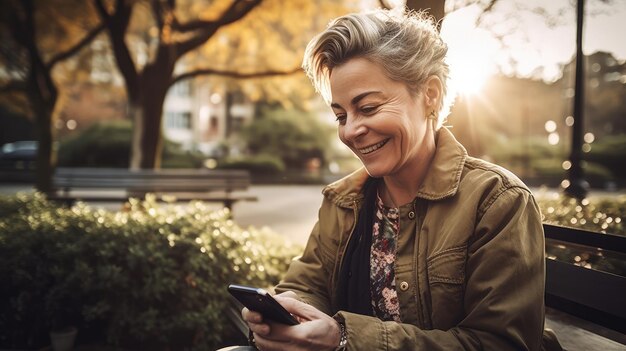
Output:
x=553 y=138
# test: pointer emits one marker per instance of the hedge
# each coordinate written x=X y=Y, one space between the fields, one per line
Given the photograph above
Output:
x=148 y=277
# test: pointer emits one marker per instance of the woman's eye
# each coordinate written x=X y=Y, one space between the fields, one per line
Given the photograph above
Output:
x=341 y=118
x=368 y=109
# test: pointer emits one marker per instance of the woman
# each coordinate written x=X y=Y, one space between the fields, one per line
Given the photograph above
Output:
x=425 y=248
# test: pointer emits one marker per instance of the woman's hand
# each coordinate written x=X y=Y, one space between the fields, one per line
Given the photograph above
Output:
x=316 y=331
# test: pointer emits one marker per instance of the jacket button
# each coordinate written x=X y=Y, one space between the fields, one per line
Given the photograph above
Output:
x=412 y=215
x=404 y=286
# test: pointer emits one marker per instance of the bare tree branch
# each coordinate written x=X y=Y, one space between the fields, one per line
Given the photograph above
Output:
x=192 y=25
x=71 y=51
x=116 y=25
x=487 y=9
x=104 y=14
x=232 y=74
x=237 y=10
x=157 y=11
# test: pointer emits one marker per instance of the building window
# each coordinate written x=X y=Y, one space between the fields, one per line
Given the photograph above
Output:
x=178 y=120
x=182 y=89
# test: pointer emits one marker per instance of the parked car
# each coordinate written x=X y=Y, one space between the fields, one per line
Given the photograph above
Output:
x=17 y=161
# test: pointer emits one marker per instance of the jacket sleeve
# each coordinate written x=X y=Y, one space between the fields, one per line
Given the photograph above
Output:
x=503 y=299
x=309 y=275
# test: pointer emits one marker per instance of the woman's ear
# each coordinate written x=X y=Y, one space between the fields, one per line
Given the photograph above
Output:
x=433 y=90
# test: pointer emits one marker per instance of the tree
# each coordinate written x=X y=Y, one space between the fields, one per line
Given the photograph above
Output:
x=292 y=135
x=177 y=28
x=29 y=26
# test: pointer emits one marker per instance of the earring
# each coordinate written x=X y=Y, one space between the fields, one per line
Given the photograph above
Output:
x=432 y=115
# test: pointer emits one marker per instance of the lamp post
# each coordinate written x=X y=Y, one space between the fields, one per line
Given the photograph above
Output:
x=578 y=186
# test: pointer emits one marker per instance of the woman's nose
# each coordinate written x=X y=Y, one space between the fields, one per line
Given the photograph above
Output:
x=354 y=128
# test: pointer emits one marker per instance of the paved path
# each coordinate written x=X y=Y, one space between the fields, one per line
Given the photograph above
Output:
x=290 y=210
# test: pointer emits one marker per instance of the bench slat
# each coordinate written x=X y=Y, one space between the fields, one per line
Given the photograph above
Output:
x=183 y=184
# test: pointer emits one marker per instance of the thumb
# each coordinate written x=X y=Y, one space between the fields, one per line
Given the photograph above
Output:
x=299 y=308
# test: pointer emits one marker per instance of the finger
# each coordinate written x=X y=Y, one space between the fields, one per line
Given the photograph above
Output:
x=273 y=331
x=300 y=308
x=265 y=344
x=251 y=316
x=260 y=328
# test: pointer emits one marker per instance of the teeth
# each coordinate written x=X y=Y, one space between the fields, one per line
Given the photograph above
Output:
x=367 y=150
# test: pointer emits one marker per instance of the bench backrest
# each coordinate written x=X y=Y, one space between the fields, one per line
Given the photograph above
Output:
x=591 y=294
x=162 y=180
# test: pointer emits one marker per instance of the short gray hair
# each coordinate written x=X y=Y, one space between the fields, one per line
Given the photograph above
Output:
x=407 y=45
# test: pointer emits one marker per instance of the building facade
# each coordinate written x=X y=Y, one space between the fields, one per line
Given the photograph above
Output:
x=202 y=117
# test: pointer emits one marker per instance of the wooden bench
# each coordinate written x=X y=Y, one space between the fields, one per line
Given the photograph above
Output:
x=118 y=184
x=594 y=296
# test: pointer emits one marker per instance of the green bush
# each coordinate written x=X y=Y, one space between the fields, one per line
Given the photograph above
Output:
x=610 y=151
x=596 y=174
x=148 y=277
x=107 y=144
x=294 y=136
x=599 y=214
x=537 y=162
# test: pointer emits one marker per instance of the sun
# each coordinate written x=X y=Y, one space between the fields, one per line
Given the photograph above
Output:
x=471 y=53
x=468 y=73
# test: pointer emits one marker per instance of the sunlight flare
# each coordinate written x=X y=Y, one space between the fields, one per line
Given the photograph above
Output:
x=471 y=52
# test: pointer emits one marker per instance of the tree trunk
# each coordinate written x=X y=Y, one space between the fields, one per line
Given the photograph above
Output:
x=43 y=96
x=151 y=129
x=154 y=84
x=135 y=112
x=45 y=157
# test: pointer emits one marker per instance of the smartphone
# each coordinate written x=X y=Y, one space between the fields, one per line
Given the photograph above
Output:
x=261 y=301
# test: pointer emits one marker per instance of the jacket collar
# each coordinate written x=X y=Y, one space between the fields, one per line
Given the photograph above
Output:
x=442 y=179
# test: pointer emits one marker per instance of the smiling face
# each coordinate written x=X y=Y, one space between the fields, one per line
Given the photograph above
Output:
x=380 y=120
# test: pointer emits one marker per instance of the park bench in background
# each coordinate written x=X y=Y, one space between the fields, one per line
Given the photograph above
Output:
x=118 y=184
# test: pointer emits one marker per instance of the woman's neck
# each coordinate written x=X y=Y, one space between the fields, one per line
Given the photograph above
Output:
x=402 y=187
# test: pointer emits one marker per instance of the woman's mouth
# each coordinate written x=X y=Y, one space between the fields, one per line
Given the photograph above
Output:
x=369 y=149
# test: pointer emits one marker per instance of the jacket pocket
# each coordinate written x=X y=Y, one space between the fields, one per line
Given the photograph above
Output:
x=327 y=255
x=446 y=279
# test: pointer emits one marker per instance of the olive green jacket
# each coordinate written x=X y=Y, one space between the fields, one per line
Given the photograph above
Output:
x=469 y=271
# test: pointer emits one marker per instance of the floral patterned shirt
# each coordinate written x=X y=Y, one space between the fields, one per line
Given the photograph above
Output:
x=382 y=262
